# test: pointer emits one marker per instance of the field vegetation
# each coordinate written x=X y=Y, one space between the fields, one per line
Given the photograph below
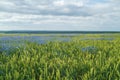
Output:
x=84 y=57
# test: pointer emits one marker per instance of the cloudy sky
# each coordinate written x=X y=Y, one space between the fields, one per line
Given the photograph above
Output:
x=80 y=15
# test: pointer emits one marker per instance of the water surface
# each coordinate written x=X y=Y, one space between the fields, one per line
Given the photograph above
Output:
x=8 y=43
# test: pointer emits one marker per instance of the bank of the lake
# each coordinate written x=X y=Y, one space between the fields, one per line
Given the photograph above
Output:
x=83 y=57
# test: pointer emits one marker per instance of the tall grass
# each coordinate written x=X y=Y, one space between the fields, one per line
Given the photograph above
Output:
x=63 y=61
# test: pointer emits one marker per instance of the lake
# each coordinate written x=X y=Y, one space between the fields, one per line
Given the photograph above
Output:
x=8 y=42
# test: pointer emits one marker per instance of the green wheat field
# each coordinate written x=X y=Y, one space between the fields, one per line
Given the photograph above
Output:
x=83 y=57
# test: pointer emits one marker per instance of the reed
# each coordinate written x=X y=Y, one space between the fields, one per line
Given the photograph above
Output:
x=73 y=60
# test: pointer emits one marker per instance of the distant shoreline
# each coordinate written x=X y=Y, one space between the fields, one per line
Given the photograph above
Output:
x=59 y=32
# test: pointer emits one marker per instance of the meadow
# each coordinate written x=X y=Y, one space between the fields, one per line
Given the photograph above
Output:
x=83 y=57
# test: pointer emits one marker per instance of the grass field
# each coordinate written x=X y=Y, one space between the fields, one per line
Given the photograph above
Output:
x=84 y=57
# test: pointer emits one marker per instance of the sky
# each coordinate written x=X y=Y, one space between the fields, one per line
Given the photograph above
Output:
x=60 y=15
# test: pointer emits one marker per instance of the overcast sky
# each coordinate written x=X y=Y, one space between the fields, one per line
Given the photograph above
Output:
x=80 y=15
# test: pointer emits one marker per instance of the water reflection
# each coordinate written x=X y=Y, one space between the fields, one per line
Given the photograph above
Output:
x=8 y=43
x=102 y=38
x=90 y=49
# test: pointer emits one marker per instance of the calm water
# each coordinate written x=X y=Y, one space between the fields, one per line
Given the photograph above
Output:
x=8 y=43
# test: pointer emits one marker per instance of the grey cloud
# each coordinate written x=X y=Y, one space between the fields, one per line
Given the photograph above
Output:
x=45 y=13
x=31 y=7
x=47 y=7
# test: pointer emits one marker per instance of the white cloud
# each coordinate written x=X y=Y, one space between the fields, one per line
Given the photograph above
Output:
x=6 y=3
x=60 y=14
x=59 y=3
